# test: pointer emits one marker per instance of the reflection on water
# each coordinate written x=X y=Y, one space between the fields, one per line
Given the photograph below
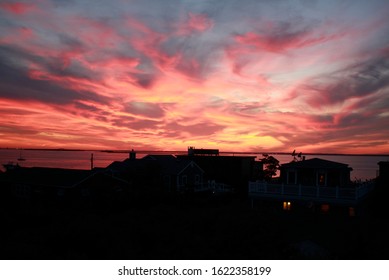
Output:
x=364 y=167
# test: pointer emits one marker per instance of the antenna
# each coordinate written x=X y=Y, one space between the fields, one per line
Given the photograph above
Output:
x=299 y=155
x=294 y=155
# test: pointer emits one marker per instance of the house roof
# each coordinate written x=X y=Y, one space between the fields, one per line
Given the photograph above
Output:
x=159 y=157
x=126 y=165
x=170 y=164
x=43 y=176
x=316 y=163
x=167 y=164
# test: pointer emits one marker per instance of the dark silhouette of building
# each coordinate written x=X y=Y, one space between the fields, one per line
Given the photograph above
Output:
x=378 y=201
x=54 y=186
x=316 y=172
x=178 y=175
x=192 y=151
x=383 y=175
x=235 y=171
x=160 y=173
x=312 y=183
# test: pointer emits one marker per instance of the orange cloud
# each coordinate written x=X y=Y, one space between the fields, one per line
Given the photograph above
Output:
x=208 y=75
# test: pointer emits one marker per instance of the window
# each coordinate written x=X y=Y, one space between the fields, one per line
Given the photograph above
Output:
x=292 y=178
x=351 y=211
x=324 y=208
x=286 y=205
x=197 y=179
x=322 y=179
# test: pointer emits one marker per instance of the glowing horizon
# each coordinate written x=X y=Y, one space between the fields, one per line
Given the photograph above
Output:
x=164 y=75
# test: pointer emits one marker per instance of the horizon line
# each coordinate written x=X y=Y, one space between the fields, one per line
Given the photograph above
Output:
x=182 y=151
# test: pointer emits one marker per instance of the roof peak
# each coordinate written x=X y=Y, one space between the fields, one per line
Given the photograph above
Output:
x=316 y=163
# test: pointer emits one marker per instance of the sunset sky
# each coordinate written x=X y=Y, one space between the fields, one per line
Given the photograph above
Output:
x=237 y=75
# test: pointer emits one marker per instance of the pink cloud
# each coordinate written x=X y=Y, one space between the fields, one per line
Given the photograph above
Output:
x=199 y=22
x=17 y=8
x=104 y=80
x=147 y=41
x=18 y=35
x=195 y=23
x=282 y=41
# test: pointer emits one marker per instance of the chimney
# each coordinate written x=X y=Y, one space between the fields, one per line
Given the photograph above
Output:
x=132 y=155
x=191 y=151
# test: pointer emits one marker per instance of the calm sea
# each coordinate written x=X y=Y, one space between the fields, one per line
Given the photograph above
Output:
x=364 y=167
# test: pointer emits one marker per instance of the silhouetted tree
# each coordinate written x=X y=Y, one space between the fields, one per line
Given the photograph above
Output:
x=270 y=166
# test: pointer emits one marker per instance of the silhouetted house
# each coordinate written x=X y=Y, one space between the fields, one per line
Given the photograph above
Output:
x=160 y=173
x=382 y=190
x=316 y=172
x=234 y=171
x=383 y=175
x=178 y=175
x=62 y=185
x=192 y=151
x=139 y=173
x=316 y=181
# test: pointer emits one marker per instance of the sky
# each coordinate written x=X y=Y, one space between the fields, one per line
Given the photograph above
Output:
x=237 y=75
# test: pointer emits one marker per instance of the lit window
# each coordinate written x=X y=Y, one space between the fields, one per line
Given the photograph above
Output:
x=322 y=179
x=286 y=205
x=325 y=208
x=351 y=211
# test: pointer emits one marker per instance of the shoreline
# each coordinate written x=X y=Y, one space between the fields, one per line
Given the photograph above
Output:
x=184 y=152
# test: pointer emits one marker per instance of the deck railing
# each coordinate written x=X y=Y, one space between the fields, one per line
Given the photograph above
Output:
x=260 y=188
x=209 y=186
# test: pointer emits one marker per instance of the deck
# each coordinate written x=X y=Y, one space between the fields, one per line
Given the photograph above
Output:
x=351 y=195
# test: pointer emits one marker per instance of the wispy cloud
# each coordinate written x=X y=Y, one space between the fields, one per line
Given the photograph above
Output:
x=257 y=75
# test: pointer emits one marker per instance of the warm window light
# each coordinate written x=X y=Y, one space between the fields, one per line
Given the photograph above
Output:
x=286 y=205
x=322 y=180
x=325 y=208
x=351 y=211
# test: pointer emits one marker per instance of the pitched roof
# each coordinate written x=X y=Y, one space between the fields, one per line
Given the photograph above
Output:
x=170 y=164
x=159 y=157
x=316 y=163
x=126 y=165
x=167 y=164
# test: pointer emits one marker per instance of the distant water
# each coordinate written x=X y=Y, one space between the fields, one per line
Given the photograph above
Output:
x=364 y=167
x=60 y=159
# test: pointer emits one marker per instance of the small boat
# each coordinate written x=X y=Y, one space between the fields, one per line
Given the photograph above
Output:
x=21 y=158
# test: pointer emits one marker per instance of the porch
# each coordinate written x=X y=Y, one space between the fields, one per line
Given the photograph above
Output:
x=213 y=187
x=353 y=195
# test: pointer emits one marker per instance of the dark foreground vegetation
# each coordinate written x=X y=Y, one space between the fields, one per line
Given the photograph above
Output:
x=201 y=227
